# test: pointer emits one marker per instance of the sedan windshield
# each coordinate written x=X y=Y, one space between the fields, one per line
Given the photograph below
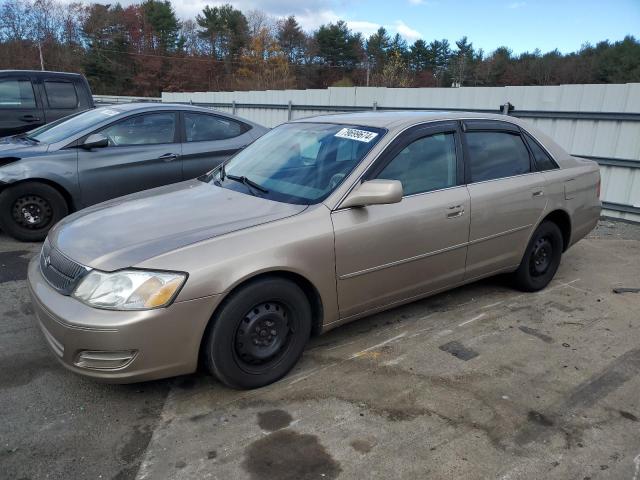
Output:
x=298 y=163
x=67 y=126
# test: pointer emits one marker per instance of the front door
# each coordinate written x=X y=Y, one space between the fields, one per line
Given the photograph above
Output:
x=387 y=254
x=143 y=152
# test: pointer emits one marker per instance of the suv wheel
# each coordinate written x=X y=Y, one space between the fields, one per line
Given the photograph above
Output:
x=28 y=210
x=258 y=334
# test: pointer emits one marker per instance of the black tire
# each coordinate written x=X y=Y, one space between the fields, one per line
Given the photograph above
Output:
x=541 y=258
x=236 y=349
x=28 y=210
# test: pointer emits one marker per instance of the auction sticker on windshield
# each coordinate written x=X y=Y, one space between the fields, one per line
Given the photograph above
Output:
x=355 y=134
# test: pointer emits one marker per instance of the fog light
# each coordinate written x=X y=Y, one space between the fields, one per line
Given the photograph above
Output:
x=102 y=360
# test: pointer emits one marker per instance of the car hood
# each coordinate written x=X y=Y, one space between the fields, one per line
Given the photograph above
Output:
x=13 y=147
x=126 y=231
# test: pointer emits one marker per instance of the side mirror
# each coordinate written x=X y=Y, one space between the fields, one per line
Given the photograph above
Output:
x=95 y=140
x=374 y=192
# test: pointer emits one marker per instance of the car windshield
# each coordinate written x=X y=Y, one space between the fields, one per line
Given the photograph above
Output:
x=298 y=163
x=65 y=127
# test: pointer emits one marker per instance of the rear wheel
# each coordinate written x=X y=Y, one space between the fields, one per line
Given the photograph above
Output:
x=541 y=259
x=258 y=334
x=28 y=210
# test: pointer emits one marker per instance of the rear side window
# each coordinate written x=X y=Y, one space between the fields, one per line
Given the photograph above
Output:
x=542 y=159
x=200 y=127
x=426 y=164
x=61 y=94
x=496 y=155
x=16 y=93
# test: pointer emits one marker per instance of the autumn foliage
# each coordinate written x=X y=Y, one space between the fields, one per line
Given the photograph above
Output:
x=144 y=49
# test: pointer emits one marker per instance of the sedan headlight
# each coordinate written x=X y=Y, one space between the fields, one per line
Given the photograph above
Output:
x=129 y=289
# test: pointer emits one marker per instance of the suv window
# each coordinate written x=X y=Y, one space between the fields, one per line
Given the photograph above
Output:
x=426 y=164
x=16 y=93
x=496 y=155
x=542 y=159
x=149 y=129
x=61 y=94
x=200 y=127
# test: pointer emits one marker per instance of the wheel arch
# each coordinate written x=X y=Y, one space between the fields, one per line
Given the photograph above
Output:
x=562 y=219
x=68 y=198
x=309 y=289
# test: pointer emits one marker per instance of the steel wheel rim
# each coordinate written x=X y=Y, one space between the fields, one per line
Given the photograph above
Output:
x=32 y=212
x=263 y=336
x=541 y=256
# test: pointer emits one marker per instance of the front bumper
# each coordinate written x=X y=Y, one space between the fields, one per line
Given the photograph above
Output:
x=165 y=341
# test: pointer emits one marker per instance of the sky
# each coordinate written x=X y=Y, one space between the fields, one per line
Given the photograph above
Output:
x=521 y=25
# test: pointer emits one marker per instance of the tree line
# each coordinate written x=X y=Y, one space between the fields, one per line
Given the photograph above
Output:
x=144 y=49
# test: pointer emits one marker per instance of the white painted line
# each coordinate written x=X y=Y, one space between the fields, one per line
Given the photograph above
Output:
x=575 y=288
x=339 y=346
x=394 y=361
x=492 y=305
x=636 y=462
x=477 y=317
x=361 y=352
x=561 y=285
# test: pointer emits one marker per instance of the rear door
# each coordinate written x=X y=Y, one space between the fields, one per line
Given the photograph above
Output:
x=391 y=253
x=20 y=106
x=143 y=153
x=507 y=195
x=208 y=140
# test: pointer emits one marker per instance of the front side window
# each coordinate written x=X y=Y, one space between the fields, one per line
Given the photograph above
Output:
x=298 y=163
x=200 y=127
x=426 y=164
x=16 y=93
x=61 y=94
x=148 y=129
x=495 y=155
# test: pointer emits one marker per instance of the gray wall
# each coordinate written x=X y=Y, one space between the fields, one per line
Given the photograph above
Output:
x=597 y=121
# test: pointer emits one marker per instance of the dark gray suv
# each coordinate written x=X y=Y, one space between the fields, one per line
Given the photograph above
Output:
x=108 y=152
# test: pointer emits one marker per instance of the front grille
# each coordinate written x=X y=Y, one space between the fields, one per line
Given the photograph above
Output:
x=62 y=273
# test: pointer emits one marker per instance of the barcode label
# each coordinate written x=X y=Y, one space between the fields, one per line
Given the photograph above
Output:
x=355 y=134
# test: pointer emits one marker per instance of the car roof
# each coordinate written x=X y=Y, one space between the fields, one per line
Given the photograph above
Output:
x=151 y=106
x=40 y=72
x=400 y=119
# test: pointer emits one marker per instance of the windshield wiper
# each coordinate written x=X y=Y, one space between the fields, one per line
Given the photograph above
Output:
x=250 y=184
x=24 y=136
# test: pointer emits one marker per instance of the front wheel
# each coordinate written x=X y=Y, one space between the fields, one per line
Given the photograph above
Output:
x=258 y=334
x=541 y=258
x=28 y=210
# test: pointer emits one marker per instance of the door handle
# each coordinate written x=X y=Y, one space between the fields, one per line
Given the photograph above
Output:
x=455 y=211
x=29 y=118
x=168 y=157
x=537 y=193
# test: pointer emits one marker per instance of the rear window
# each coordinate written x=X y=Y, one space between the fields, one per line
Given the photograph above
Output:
x=496 y=155
x=61 y=94
x=200 y=127
x=16 y=93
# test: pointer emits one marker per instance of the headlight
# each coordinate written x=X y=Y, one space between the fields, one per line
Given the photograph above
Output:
x=129 y=289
